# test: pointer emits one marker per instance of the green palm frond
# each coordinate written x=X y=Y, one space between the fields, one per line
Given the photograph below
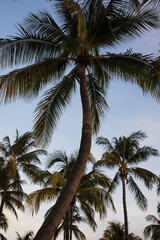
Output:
x=115 y=183
x=142 y=154
x=78 y=234
x=44 y=24
x=139 y=197
x=58 y=157
x=34 y=199
x=106 y=143
x=139 y=69
x=57 y=180
x=130 y=23
x=145 y=176
x=27 y=47
x=97 y=102
x=50 y=108
x=89 y=214
x=109 y=160
x=27 y=82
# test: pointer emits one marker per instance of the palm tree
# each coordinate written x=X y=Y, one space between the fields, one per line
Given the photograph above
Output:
x=73 y=228
x=123 y=153
x=153 y=230
x=91 y=194
x=14 y=196
x=115 y=231
x=15 y=157
x=27 y=236
x=48 y=49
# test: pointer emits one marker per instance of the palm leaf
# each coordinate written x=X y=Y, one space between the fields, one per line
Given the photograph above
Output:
x=97 y=102
x=144 y=175
x=139 y=197
x=50 y=107
x=29 y=81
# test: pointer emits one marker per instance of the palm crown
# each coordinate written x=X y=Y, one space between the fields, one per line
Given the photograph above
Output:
x=15 y=157
x=123 y=154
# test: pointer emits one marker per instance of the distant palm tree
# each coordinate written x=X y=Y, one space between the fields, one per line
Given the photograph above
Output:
x=27 y=236
x=70 y=54
x=76 y=218
x=123 y=153
x=15 y=157
x=14 y=196
x=91 y=193
x=116 y=231
x=153 y=230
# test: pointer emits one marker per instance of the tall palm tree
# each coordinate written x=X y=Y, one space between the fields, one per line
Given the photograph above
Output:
x=48 y=49
x=91 y=194
x=27 y=236
x=123 y=154
x=15 y=157
x=153 y=230
x=115 y=231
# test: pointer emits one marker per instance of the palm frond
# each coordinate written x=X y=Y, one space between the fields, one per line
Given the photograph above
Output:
x=50 y=108
x=145 y=175
x=34 y=199
x=58 y=157
x=135 y=68
x=28 y=81
x=78 y=234
x=129 y=23
x=97 y=102
x=139 y=197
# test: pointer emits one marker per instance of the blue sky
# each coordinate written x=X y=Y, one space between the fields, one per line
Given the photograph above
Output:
x=129 y=111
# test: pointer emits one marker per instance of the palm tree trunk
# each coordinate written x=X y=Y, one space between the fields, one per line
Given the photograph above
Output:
x=71 y=217
x=49 y=226
x=125 y=209
x=4 y=193
x=68 y=224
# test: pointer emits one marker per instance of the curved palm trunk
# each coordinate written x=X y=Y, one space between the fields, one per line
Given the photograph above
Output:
x=125 y=209
x=4 y=194
x=48 y=228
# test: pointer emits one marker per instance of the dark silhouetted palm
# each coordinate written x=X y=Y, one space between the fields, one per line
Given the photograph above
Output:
x=15 y=157
x=73 y=228
x=123 y=153
x=91 y=193
x=71 y=53
x=115 y=231
x=153 y=230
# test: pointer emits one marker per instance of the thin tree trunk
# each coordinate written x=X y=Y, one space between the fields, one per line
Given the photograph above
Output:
x=49 y=226
x=68 y=224
x=125 y=209
x=4 y=194
x=71 y=217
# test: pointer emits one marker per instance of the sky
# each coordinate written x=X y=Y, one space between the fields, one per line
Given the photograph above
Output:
x=129 y=111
